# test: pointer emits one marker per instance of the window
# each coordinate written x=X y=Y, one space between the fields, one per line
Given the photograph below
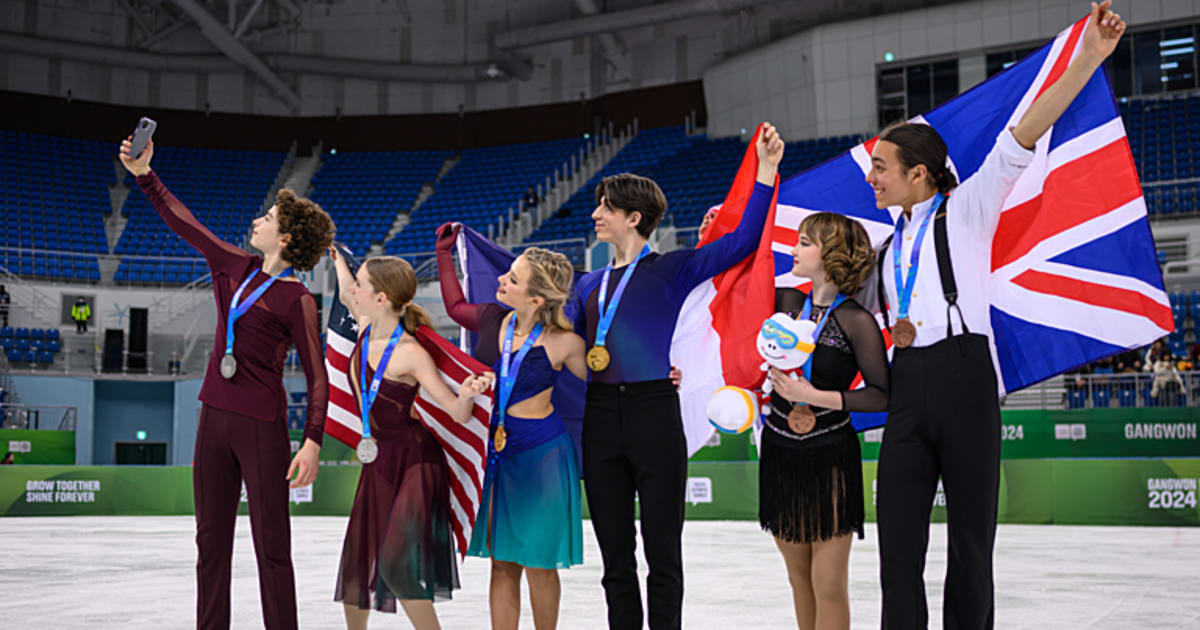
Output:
x=999 y=61
x=1148 y=62
x=909 y=90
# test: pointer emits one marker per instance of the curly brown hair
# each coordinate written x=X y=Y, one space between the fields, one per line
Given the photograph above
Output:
x=310 y=228
x=845 y=249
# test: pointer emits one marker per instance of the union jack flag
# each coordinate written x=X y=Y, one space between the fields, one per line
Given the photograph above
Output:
x=1074 y=275
x=465 y=445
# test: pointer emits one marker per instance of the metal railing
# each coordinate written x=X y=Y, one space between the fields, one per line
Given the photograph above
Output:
x=67 y=266
x=56 y=417
x=1125 y=390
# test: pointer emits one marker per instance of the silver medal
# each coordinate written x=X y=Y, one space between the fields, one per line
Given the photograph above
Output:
x=228 y=366
x=367 y=450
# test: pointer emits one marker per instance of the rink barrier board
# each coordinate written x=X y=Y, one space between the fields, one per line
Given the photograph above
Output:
x=33 y=446
x=1044 y=433
x=1146 y=491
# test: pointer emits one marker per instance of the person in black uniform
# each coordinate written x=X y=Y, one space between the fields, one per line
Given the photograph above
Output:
x=944 y=412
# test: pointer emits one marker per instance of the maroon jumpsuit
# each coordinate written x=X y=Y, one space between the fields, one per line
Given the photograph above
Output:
x=243 y=433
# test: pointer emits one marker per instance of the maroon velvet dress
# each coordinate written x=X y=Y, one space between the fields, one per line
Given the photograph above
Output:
x=399 y=543
x=243 y=434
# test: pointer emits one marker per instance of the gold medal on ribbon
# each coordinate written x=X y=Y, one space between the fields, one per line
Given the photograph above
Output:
x=904 y=333
x=501 y=438
x=597 y=358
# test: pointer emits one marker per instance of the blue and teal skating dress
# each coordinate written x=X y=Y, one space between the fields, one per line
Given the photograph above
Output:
x=531 y=511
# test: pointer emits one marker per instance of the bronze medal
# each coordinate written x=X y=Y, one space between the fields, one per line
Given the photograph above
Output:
x=597 y=359
x=501 y=438
x=904 y=333
x=802 y=419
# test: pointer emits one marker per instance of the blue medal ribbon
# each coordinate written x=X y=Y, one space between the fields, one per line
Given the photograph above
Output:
x=368 y=395
x=607 y=315
x=237 y=309
x=806 y=313
x=508 y=374
x=904 y=290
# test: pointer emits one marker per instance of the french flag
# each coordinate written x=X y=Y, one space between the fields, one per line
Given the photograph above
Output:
x=1074 y=272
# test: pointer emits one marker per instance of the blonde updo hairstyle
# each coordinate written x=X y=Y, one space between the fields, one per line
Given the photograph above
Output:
x=395 y=278
x=845 y=249
x=550 y=278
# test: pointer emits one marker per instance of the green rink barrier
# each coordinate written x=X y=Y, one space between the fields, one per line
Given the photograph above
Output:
x=1043 y=433
x=31 y=446
x=332 y=450
x=1147 y=491
x=1053 y=433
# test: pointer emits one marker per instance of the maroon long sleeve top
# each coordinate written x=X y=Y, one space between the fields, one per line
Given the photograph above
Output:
x=285 y=314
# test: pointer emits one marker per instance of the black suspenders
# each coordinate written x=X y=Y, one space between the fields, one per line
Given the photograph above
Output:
x=941 y=243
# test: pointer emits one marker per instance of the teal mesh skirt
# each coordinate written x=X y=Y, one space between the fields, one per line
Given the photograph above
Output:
x=530 y=512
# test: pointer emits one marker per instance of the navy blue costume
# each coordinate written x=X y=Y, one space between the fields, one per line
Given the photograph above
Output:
x=633 y=438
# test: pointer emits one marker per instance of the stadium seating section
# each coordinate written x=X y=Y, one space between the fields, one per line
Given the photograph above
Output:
x=54 y=191
x=482 y=187
x=30 y=346
x=54 y=194
x=225 y=189
x=363 y=191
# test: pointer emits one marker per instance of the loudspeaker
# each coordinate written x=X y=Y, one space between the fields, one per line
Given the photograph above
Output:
x=138 y=329
x=136 y=359
x=114 y=350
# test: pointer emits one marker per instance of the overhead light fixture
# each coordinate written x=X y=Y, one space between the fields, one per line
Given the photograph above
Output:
x=493 y=71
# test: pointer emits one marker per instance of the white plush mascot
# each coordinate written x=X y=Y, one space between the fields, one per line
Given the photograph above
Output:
x=783 y=343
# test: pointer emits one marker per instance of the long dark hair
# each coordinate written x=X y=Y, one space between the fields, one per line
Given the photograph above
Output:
x=920 y=144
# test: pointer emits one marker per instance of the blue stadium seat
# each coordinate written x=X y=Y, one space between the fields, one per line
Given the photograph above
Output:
x=46 y=357
x=14 y=356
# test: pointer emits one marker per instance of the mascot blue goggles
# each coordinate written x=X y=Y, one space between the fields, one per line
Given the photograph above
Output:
x=781 y=336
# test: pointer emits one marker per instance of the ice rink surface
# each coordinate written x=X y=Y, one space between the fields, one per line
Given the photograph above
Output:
x=63 y=573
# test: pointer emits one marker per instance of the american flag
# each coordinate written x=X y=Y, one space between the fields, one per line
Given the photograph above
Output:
x=1074 y=274
x=465 y=445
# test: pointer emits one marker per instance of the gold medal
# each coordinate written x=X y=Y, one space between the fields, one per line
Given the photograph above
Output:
x=597 y=359
x=904 y=333
x=802 y=419
x=501 y=438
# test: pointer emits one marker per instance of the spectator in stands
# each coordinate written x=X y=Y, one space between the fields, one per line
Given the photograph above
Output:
x=1166 y=374
x=81 y=312
x=531 y=200
x=5 y=300
x=1129 y=362
x=1194 y=354
x=8 y=459
x=243 y=433
x=1152 y=353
